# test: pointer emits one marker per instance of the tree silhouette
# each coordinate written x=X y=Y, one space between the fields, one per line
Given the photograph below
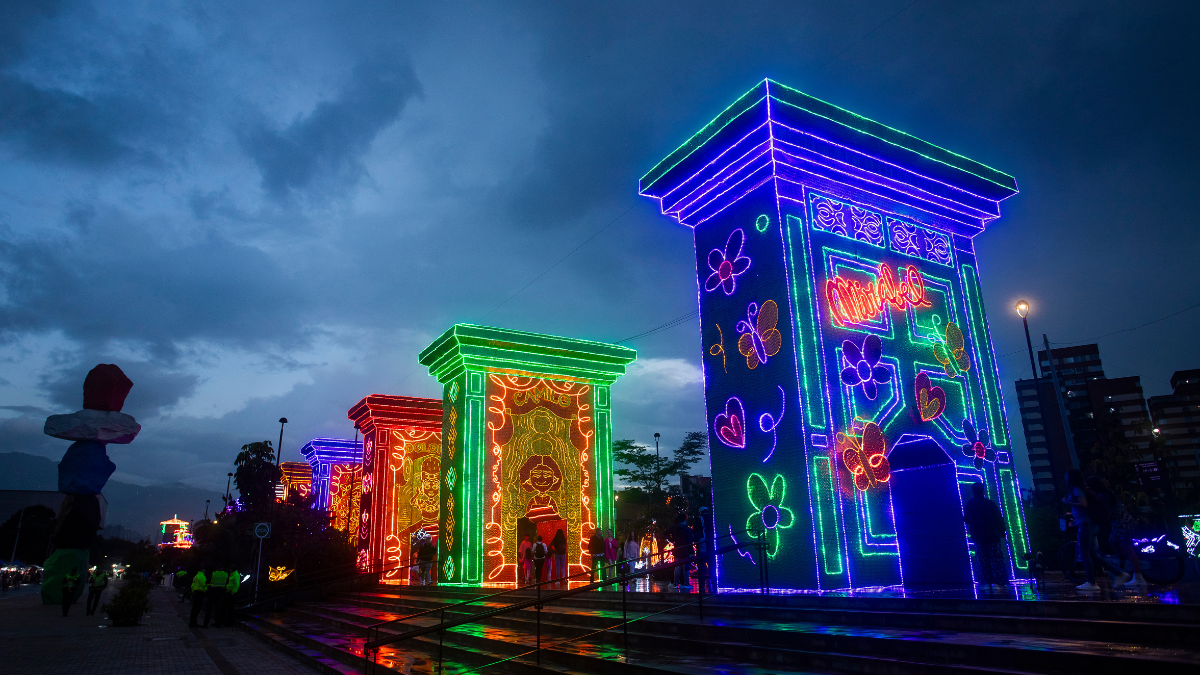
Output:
x=256 y=474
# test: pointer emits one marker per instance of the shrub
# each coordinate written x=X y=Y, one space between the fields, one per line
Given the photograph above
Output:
x=129 y=604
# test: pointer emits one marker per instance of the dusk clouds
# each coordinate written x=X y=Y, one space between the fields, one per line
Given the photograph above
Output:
x=263 y=210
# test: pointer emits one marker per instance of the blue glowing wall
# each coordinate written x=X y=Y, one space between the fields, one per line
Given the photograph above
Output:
x=323 y=454
x=840 y=309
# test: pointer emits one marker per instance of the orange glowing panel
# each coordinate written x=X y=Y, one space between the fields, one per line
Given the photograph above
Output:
x=401 y=472
x=540 y=434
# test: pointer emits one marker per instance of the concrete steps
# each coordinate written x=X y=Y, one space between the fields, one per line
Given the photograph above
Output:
x=778 y=634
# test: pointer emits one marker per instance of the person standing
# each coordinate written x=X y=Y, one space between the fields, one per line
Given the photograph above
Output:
x=985 y=523
x=231 y=589
x=425 y=556
x=70 y=582
x=681 y=549
x=4 y=578
x=215 y=602
x=540 y=553
x=199 y=589
x=559 y=546
x=596 y=547
x=1088 y=512
x=525 y=555
x=97 y=582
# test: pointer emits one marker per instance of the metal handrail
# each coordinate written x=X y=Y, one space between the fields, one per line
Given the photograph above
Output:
x=625 y=621
x=371 y=647
x=377 y=626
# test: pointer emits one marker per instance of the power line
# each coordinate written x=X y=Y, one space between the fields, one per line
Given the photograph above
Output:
x=677 y=321
x=1126 y=330
x=868 y=33
x=560 y=260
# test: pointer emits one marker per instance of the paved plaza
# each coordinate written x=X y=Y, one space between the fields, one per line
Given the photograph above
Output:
x=38 y=640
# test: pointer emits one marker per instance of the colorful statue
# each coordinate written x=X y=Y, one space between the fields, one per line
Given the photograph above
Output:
x=84 y=470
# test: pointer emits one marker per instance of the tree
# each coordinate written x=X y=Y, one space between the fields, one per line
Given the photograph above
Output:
x=694 y=447
x=256 y=474
x=641 y=467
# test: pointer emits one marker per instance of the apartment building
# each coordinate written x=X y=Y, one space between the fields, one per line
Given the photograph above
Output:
x=1177 y=424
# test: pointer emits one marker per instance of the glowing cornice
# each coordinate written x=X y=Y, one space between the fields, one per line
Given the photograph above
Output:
x=502 y=350
x=409 y=412
x=763 y=128
x=332 y=451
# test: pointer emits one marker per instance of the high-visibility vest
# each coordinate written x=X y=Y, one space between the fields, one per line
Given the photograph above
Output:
x=199 y=583
x=99 y=579
x=219 y=578
x=234 y=583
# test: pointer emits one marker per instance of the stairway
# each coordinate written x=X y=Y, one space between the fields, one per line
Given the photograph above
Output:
x=746 y=634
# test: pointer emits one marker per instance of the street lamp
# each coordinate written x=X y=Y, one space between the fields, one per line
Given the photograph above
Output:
x=1023 y=312
x=206 y=501
x=657 y=465
x=228 y=496
x=279 y=448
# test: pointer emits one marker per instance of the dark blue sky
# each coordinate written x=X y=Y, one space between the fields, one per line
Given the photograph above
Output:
x=267 y=209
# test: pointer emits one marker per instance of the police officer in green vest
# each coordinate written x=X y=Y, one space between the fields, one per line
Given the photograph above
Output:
x=231 y=589
x=69 y=583
x=97 y=582
x=216 y=596
x=199 y=592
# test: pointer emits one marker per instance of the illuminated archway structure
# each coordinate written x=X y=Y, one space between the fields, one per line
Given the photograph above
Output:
x=528 y=444
x=322 y=455
x=841 y=317
x=296 y=479
x=402 y=438
x=336 y=480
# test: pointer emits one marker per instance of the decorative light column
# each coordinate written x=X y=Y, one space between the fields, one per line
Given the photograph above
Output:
x=528 y=446
x=840 y=315
x=402 y=438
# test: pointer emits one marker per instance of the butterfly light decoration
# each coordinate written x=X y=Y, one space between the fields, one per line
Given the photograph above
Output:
x=864 y=451
x=760 y=338
x=952 y=351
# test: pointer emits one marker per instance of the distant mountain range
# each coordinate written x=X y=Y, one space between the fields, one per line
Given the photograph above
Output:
x=137 y=508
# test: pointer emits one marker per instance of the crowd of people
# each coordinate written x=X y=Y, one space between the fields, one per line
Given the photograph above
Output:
x=12 y=578
x=211 y=590
x=612 y=557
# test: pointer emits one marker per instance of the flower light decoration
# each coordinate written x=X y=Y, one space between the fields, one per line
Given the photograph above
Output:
x=978 y=445
x=727 y=265
x=770 y=515
x=862 y=366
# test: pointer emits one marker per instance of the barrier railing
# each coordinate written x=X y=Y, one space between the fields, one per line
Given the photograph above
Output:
x=373 y=644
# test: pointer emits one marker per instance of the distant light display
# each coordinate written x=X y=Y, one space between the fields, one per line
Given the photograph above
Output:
x=528 y=446
x=175 y=533
x=402 y=439
x=841 y=252
x=335 y=465
x=296 y=479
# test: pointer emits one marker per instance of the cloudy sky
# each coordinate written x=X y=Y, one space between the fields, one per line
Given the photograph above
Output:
x=267 y=209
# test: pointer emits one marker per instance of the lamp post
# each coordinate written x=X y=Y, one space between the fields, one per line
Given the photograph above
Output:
x=279 y=448
x=228 y=496
x=657 y=466
x=206 y=501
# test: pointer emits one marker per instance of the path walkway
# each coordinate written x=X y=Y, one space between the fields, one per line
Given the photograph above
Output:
x=38 y=640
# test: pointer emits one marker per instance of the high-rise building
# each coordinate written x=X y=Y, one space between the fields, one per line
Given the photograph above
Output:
x=1049 y=455
x=1177 y=423
x=1097 y=409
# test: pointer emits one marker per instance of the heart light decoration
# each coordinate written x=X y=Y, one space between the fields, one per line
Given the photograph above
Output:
x=730 y=426
x=931 y=400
